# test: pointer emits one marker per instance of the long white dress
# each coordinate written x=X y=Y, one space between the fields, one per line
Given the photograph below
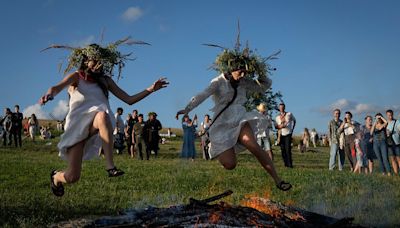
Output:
x=224 y=132
x=86 y=100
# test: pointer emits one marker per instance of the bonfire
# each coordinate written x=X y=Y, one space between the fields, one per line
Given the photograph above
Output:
x=253 y=212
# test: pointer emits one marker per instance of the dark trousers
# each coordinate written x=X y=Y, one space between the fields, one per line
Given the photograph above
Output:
x=148 y=152
x=139 y=147
x=286 y=148
x=349 y=145
x=17 y=137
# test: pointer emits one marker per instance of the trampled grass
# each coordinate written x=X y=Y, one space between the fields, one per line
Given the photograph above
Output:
x=26 y=199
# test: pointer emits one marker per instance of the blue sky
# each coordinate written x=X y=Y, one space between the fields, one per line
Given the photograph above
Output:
x=342 y=53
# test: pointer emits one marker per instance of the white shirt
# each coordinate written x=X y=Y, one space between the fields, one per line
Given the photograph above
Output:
x=119 y=124
x=289 y=123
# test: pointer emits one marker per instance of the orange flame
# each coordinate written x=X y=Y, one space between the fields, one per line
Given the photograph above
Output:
x=214 y=218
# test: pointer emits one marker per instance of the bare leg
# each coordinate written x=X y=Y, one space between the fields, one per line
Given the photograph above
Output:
x=228 y=159
x=370 y=166
x=247 y=139
x=102 y=124
x=393 y=160
x=73 y=172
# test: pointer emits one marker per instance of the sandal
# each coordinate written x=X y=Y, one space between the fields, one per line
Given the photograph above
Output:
x=58 y=190
x=284 y=186
x=114 y=172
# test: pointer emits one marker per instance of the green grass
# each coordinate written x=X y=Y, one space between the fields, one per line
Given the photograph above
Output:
x=26 y=199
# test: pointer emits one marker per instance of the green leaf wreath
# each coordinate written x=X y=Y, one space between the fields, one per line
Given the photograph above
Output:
x=256 y=68
x=109 y=56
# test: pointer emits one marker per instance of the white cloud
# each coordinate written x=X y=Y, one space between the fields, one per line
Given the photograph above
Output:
x=37 y=110
x=59 y=112
x=357 y=108
x=132 y=14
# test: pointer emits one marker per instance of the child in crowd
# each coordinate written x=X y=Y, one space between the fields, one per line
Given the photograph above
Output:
x=359 y=154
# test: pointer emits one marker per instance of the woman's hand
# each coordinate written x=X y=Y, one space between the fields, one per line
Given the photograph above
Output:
x=44 y=99
x=183 y=111
x=157 y=85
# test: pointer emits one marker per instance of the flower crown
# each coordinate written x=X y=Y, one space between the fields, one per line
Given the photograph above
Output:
x=108 y=56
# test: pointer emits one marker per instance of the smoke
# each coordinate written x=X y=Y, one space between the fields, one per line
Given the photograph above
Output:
x=59 y=112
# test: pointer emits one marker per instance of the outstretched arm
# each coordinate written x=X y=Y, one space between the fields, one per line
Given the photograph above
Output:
x=118 y=92
x=54 y=90
x=199 y=98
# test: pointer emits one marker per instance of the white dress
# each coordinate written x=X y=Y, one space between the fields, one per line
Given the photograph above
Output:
x=86 y=100
x=224 y=132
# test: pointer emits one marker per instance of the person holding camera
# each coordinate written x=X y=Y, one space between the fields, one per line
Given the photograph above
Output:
x=378 y=131
x=393 y=140
x=349 y=127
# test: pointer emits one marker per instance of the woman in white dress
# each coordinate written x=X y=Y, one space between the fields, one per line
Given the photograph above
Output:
x=89 y=123
x=234 y=128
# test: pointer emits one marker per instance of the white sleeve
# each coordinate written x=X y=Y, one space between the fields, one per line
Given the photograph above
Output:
x=199 y=98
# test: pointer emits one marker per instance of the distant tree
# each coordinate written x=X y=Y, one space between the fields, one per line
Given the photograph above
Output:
x=271 y=98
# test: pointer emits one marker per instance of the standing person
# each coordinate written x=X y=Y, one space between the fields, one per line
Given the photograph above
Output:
x=89 y=123
x=306 y=139
x=393 y=140
x=150 y=134
x=189 y=136
x=17 y=126
x=378 y=131
x=314 y=137
x=334 y=141
x=234 y=129
x=119 y=131
x=349 y=127
x=204 y=126
x=7 y=125
x=360 y=155
x=33 y=126
x=285 y=122
x=138 y=136
x=263 y=137
x=128 y=129
x=367 y=143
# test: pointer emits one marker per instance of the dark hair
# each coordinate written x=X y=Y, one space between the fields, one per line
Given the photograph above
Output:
x=135 y=110
x=282 y=104
x=119 y=109
x=336 y=110
x=16 y=106
x=99 y=78
x=207 y=116
x=367 y=117
x=378 y=114
x=390 y=111
x=140 y=115
x=351 y=115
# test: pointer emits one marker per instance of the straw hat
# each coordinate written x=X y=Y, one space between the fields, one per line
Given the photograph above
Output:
x=262 y=107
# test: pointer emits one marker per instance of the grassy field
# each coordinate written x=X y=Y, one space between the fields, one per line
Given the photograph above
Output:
x=26 y=199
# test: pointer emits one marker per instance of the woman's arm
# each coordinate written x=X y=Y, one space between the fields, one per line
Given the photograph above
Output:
x=122 y=95
x=54 y=90
x=373 y=128
x=199 y=98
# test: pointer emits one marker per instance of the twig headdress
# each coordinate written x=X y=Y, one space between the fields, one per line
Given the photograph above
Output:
x=255 y=66
x=108 y=56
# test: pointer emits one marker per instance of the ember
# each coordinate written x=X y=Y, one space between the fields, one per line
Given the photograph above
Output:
x=255 y=212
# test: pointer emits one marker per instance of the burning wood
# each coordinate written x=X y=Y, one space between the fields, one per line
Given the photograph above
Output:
x=255 y=212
